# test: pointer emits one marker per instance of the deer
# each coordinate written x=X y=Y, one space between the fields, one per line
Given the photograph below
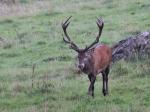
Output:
x=93 y=59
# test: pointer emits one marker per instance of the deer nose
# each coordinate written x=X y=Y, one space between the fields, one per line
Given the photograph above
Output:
x=81 y=66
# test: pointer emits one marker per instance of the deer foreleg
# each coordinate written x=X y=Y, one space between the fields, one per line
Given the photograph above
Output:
x=91 y=87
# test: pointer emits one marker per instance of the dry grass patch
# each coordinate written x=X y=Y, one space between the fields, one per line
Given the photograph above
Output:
x=27 y=9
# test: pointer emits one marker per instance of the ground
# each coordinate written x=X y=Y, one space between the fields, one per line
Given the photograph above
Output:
x=37 y=69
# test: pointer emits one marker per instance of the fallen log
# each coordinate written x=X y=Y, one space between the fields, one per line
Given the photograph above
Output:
x=132 y=47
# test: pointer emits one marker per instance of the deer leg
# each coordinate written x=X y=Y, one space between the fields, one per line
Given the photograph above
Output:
x=89 y=76
x=107 y=72
x=89 y=90
x=91 y=87
x=104 y=84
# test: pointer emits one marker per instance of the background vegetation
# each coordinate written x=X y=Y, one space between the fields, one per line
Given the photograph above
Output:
x=37 y=70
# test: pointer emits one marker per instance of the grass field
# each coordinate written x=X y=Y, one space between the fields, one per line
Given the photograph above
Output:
x=37 y=69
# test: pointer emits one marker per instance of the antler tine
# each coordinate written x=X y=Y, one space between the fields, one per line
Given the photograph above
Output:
x=67 y=38
x=100 y=25
x=64 y=26
x=67 y=20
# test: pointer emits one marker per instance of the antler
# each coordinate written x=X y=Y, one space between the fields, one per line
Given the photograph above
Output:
x=100 y=25
x=67 y=38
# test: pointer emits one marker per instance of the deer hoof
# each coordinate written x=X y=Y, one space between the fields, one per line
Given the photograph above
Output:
x=105 y=93
x=90 y=93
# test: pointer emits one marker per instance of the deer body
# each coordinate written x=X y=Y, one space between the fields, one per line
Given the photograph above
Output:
x=102 y=58
x=92 y=60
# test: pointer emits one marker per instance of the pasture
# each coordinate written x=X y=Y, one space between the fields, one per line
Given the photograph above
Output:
x=37 y=69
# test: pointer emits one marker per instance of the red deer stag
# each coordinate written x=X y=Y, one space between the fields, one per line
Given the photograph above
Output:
x=94 y=59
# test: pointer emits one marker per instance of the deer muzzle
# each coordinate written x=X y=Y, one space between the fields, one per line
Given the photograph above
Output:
x=81 y=66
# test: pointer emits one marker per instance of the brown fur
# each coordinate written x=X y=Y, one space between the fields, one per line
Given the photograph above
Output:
x=101 y=58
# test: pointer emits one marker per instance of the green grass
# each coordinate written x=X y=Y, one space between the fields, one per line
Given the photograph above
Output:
x=55 y=85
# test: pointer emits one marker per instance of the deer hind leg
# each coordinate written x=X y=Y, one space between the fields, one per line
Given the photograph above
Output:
x=107 y=70
x=105 y=81
x=92 y=79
